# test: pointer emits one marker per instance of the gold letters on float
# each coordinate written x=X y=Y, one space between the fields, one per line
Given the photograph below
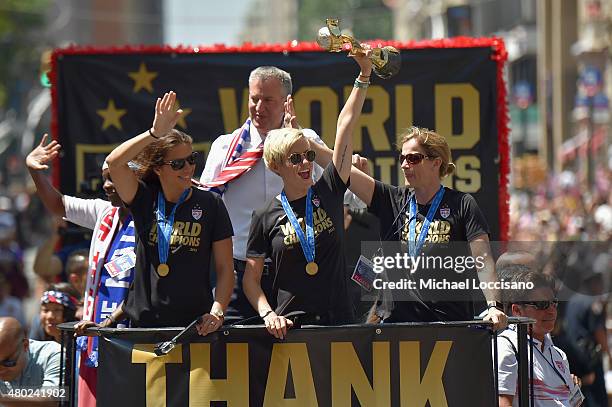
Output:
x=467 y=177
x=347 y=374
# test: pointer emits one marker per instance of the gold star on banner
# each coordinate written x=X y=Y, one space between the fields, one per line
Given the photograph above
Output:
x=111 y=115
x=181 y=120
x=143 y=79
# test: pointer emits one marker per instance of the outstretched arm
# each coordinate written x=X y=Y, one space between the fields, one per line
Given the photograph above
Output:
x=362 y=184
x=126 y=182
x=343 y=146
x=37 y=162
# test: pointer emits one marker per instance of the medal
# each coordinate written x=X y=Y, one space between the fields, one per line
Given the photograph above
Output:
x=164 y=230
x=415 y=244
x=306 y=241
x=312 y=268
x=163 y=270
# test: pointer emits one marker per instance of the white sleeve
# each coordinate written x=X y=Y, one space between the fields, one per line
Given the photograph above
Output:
x=507 y=367
x=215 y=158
x=84 y=212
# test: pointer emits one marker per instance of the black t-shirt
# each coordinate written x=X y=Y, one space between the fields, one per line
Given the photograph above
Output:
x=271 y=236
x=185 y=292
x=458 y=219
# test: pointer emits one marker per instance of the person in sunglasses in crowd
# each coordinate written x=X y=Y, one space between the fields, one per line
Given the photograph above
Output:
x=553 y=383
x=420 y=216
x=179 y=227
x=302 y=229
x=26 y=363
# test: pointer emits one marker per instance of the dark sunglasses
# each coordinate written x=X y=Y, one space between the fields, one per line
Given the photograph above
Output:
x=297 y=158
x=413 y=158
x=12 y=362
x=541 y=305
x=179 y=163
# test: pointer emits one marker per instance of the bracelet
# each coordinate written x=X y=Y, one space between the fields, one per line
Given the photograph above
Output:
x=364 y=76
x=361 y=84
x=267 y=313
x=153 y=135
x=111 y=319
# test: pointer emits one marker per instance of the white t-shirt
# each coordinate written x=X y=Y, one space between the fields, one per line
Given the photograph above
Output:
x=252 y=190
x=552 y=382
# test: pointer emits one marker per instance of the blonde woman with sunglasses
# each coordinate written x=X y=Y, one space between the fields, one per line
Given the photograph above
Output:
x=432 y=220
x=179 y=227
x=301 y=230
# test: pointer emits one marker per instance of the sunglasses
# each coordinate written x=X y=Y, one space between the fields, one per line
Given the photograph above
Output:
x=297 y=158
x=12 y=362
x=179 y=163
x=541 y=305
x=413 y=158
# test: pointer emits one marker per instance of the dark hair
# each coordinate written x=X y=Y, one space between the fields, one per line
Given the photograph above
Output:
x=520 y=273
x=152 y=156
x=76 y=257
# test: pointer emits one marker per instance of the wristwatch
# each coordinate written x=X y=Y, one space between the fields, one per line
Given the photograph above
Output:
x=495 y=304
x=218 y=313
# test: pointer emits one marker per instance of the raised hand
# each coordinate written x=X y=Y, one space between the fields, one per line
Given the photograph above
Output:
x=290 y=119
x=39 y=157
x=365 y=63
x=166 y=114
x=361 y=163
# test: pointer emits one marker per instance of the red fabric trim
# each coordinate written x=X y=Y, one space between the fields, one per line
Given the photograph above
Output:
x=292 y=46
x=500 y=55
x=496 y=44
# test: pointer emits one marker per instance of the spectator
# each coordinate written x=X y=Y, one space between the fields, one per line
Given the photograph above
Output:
x=552 y=382
x=9 y=306
x=58 y=304
x=76 y=270
x=26 y=363
x=585 y=323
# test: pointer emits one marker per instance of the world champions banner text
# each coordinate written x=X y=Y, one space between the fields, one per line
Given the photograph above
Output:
x=375 y=366
x=102 y=97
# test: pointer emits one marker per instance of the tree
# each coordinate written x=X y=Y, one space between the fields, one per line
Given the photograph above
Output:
x=366 y=19
x=20 y=22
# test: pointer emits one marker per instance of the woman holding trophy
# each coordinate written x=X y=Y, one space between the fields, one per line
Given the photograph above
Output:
x=422 y=213
x=301 y=230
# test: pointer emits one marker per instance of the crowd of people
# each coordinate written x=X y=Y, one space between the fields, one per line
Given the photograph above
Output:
x=270 y=210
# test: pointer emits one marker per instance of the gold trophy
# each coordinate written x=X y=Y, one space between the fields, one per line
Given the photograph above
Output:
x=386 y=60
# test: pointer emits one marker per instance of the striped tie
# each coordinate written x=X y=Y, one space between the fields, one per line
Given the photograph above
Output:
x=238 y=162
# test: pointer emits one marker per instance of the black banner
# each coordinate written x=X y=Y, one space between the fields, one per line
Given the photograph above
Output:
x=103 y=97
x=384 y=365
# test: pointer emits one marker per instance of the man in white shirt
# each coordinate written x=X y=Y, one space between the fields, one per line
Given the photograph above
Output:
x=269 y=95
x=553 y=384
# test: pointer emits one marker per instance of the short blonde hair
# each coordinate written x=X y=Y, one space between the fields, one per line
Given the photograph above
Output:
x=434 y=145
x=277 y=145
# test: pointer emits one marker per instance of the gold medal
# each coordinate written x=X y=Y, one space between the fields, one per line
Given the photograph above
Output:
x=312 y=268
x=163 y=269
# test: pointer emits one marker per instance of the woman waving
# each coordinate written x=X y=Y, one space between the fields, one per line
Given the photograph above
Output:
x=178 y=228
